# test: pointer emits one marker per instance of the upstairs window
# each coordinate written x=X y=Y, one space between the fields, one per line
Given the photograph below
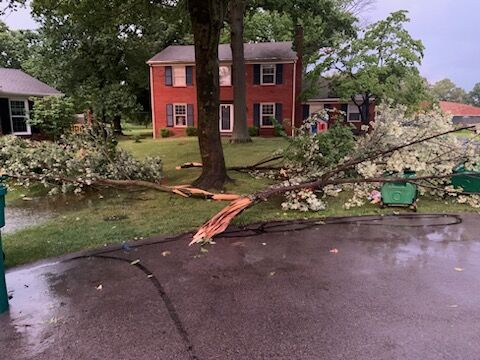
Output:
x=19 y=117
x=180 y=115
x=267 y=114
x=179 y=76
x=353 y=114
x=267 y=74
x=225 y=73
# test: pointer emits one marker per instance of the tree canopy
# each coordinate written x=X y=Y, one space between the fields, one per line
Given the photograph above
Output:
x=380 y=64
x=446 y=90
x=16 y=47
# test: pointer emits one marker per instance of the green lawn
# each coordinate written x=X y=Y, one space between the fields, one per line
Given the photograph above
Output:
x=87 y=223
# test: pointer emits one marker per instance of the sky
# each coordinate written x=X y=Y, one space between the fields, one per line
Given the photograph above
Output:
x=449 y=30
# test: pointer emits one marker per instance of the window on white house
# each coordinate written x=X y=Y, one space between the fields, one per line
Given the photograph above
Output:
x=180 y=115
x=267 y=74
x=267 y=114
x=179 y=76
x=225 y=75
x=353 y=113
x=19 y=117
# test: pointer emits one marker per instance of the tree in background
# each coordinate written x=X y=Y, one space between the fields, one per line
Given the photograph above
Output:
x=474 y=95
x=380 y=64
x=236 y=20
x=446 y=90
x=207 y=22
x=96 y=52
x=16 y=46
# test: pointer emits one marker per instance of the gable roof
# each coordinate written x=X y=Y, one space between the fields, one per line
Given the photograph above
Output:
x=458 y=109
x=16 y=82
x=267 y=51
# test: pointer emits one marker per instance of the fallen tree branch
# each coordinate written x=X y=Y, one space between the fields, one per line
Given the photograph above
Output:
x=222 y=219
x=182 y=190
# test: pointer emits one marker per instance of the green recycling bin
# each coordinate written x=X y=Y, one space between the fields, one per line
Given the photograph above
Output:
x=468 y=180
x=401 y=193
x=3 y=285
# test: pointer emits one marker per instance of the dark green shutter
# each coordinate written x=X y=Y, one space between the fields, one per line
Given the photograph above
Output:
x=256 y=115
x=279 y=112
x=344 y=108
x=256 y=73
x=279 y=74
x=5 y=125
x=190 y=115
x=189 y=74
x=306 y=111
x=168 y=76
x=170 y=115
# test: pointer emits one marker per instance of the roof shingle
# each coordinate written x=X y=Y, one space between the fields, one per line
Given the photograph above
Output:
x=268 y=51
x=458 y=109
x=16 y=82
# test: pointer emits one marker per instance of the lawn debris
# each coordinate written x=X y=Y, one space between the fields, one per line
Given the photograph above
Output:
x=135 y=262
x=220 y=222
x=333 y=251
x=166 y=253
x=99 y=287
x=459 y=269
x=189 y=165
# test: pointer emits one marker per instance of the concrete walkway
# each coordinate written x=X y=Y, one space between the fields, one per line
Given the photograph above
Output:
x=364 y=288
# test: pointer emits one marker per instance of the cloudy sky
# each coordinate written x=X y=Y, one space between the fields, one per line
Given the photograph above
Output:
x=449 y=29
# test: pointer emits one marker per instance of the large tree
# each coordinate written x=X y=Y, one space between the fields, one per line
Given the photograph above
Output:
x=96 y=51
x=240 y=129
x=380 y=64
x=446 y=90
x=16 y=46
x=207 y=22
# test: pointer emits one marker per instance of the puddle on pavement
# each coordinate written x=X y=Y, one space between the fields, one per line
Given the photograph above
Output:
x=35 y=306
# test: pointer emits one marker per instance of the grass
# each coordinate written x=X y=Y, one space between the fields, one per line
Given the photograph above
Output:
x=141 y=214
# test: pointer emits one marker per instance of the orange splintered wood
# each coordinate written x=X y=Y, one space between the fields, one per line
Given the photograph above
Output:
x=220 y=222
x=189 y=165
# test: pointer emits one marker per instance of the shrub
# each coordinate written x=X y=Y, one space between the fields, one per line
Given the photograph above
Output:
x=74 y=162
x=191 y=131
x=165 y=133
x=53 y=114
x=253 y=131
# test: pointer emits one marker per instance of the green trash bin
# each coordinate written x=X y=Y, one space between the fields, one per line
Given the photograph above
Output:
x=468 y=180
x=400 y=193
x=3 y=285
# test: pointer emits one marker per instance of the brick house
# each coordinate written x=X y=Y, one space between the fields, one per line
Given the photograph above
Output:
x=16 y=89
x=345 y=111
x=462 y=114
x=273 y=82
x=273 y=75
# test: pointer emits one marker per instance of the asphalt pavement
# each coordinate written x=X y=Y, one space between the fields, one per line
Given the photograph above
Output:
x=393 y=287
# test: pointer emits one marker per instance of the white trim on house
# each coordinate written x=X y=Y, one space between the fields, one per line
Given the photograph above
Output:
x=175 y=115
x=355 y=111
x=273 y=75
x=179 y=75
x=152 y=105
x=26 y=116
x=271 y=115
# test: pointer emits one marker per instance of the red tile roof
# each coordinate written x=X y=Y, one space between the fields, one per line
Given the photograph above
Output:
x=458 y=109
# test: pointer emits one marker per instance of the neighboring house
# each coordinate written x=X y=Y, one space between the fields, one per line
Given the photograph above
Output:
x=462 y=114
x=273 y=82
x=325 y=98
x=16 y=88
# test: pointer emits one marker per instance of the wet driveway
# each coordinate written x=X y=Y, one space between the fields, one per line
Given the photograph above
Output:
x=358 y=288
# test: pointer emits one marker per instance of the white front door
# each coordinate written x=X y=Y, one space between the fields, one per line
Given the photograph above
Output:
x=226 y=117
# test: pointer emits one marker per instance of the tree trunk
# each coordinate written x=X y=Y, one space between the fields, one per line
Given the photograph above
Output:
x=117 y=125
x=240 y=129
x=299 y=48
x=207 y=21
